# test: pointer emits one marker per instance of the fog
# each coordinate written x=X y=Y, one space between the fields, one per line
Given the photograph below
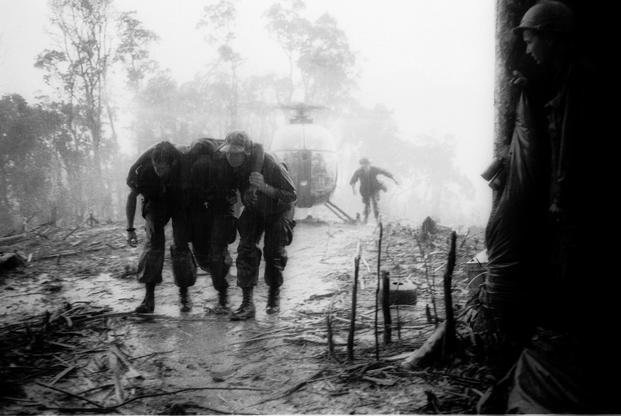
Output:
x=410 y=87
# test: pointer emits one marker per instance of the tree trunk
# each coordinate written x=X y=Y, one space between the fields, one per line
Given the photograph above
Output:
x=508 y=52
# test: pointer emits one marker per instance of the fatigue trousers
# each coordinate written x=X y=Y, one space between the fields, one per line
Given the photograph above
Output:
x=278 y=230
x=157 y=213
x=213 y=229
x=371 y=199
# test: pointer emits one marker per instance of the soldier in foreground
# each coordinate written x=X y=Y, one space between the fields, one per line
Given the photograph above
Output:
x=269 y=199
x=160 y=175
x=370 y=186
x=540 y=236
x=211 y=211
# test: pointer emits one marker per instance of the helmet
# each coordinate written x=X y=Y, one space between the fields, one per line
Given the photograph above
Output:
x=548 y=15
x=237 y=142
x=365 y=161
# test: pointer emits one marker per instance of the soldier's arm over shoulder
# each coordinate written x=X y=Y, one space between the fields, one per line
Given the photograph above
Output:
x=284 y=189
x=257 y=157
x=203 y=146
x=132 y=176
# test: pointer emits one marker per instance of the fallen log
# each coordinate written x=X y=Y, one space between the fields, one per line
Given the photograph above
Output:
x=429 y=350
x=12 y=239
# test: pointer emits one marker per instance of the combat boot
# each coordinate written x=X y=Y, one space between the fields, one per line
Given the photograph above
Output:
x=148 y=304
x=246 y=309
x=184 y=299
x=273 y=301
x=222 y=308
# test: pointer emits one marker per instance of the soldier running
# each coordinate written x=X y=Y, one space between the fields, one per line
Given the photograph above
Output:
x=370 y=186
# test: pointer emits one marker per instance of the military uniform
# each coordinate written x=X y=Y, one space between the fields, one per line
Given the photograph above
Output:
x=270 y=216
x=163 y=201
x=370 y=187
x=213 y=197
x=211 y=216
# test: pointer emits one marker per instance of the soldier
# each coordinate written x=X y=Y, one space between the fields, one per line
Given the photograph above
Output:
x=562 y=368
x=370 y=186
x=211 y=212
x=160 y=175
x=269 y=199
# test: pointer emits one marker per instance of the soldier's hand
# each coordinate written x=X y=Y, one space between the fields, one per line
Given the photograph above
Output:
x=519 y=79
x=256 y=179
x=132 y=239
x=555 y=212
x=250 y=196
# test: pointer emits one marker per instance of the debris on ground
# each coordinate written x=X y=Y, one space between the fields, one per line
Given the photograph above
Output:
x=99 y=357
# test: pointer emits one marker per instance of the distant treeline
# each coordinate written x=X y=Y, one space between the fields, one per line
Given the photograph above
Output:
x=60 y=158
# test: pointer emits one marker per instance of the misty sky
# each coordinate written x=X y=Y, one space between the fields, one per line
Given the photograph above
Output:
x=431 y=61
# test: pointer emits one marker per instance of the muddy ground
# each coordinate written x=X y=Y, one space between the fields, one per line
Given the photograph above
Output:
x=97 y=357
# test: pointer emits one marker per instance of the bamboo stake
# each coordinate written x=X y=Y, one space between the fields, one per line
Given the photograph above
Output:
x=386 y=307
x=354 y=300
x=398 y=317
x=431 y=285
x=379 y=265
x=448 y=344
x=329 y=330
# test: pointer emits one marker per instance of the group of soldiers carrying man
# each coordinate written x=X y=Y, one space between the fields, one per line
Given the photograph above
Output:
x=196 y=186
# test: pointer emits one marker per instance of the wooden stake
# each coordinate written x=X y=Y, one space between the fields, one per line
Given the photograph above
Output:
x=330 y=339
x=398 y=317
x=449 y=341
x=377 y=289
x=431 y=285
x=386 y=307
x=354 y=300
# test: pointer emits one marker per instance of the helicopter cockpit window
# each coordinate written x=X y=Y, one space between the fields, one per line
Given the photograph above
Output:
x=323 y=178
x=309 y=152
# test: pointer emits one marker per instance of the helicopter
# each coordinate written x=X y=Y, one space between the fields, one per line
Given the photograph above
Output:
x=309 y=151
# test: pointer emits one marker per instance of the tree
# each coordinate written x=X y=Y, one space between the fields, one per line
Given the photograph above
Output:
x=219 y=22
x=78 y=66
x=321 y=62
x=133 y=50
x=291 y=31
x=28 y=167
x=327 y=63
x=157 y=111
